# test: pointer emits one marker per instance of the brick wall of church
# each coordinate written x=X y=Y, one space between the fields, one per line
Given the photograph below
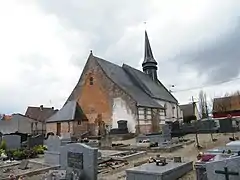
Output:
x=97 y=93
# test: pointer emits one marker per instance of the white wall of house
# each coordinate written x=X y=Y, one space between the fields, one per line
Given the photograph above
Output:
x=173 y=111
x=122 y=112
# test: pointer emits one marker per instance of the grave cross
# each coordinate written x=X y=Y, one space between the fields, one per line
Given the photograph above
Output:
x=226 y=173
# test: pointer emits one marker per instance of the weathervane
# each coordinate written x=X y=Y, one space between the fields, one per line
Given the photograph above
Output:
x=145 y=25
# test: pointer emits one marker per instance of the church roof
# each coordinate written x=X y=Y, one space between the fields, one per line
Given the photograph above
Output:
x=119 y=76
x=68 y=113
x=152 y=88
x=135 y=83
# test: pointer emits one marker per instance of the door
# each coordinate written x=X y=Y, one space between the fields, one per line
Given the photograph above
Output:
x=58 y=129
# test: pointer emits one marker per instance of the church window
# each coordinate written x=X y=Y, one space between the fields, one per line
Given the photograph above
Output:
x=91 y=80
x=141 y=113
x=79 y=122
x=149 y=113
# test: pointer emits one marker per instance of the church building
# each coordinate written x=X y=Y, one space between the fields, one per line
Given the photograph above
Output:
x=115 y=93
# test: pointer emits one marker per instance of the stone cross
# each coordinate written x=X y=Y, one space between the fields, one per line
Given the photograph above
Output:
x=226 y=173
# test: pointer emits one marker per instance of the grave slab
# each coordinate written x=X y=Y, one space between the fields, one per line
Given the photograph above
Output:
x=171 y=171
x=234 y=145
x=220 y=169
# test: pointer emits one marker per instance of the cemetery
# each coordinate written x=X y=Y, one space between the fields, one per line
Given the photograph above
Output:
x=61 y=157
x=219 y=163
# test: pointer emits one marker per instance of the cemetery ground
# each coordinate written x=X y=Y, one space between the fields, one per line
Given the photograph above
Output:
x=188 y=152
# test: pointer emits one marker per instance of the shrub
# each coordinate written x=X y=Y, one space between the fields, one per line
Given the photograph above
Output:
x=39 y=149
x=19 y=154
x=3 y=145
x=2 y=151
x=44 y=147
x=30 y=153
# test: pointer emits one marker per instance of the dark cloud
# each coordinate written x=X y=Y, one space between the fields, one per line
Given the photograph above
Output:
x=220 y=61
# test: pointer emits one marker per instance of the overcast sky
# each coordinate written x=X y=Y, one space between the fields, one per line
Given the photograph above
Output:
x=44 y=45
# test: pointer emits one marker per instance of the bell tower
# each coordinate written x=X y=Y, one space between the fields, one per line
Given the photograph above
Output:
x=149 y=64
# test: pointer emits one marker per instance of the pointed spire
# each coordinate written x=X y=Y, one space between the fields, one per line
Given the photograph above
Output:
x=149 y=64
x=148 y=55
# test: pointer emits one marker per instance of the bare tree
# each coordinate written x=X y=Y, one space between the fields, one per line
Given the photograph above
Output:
x=203 y=104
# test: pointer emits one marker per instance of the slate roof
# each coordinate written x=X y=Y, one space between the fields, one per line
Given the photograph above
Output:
x=154 y=89
x=39 y=114
x=187 y=109
x=69 y=112
x=148 y=55
x=119 y=76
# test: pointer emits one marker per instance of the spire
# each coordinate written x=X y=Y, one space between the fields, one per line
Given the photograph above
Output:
x=148 y=55
x=149 y=64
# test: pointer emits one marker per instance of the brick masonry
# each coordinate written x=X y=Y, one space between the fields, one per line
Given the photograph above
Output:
x=73 y=127
x=98 y=98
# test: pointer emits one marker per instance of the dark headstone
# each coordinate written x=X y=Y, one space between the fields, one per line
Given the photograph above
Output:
x=122 y=124
x=177 y=159
x=23 y=165
x=80 y=161
x=35 y=140
x=226 y=125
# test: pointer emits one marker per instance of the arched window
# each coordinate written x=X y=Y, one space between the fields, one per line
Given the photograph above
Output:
x=91 y=80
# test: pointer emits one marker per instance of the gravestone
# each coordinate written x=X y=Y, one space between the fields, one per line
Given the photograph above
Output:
x=52 y=155
x=227 y=173
x=23 y=165
x=106 y=141
x=79 y=160
x=35 y=140
x=177 y=159
x=65 y=138
x=227 y=169
x=12 y=141
x=166 y=130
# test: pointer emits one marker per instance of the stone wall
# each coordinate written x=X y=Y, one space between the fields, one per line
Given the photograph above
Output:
x=96 y=93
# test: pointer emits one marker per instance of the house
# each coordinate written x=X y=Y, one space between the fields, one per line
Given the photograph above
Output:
x=189 y=112
x=69 y=119
x=19 y=123
x=124 y=93
x=225 y=107
x=40 y=114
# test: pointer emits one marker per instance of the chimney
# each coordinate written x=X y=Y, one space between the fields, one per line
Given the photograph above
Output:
x=41 y=107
